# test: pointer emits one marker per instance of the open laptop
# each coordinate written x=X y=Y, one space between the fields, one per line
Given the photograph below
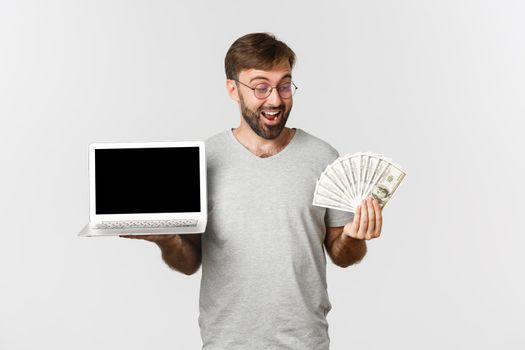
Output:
x=146 y=188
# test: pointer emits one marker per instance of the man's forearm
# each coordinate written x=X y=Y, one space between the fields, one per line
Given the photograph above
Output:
x=347 y=251
x=181 y=255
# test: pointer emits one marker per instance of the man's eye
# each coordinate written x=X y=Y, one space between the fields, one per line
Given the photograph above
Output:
x=285 y=87
x=262 y=88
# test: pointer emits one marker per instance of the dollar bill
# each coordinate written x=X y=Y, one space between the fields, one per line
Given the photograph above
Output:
x=387 y=184
x=320 y=200
x=351 y=178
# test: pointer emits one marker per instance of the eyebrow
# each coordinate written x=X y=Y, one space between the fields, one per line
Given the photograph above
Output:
x=264 y=78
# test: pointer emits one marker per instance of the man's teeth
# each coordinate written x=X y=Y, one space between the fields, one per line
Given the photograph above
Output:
x=270 y=114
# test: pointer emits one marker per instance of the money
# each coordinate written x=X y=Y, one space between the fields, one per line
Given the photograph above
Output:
x=351 y=178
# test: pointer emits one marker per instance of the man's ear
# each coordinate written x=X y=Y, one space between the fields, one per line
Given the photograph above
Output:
x=231 y=87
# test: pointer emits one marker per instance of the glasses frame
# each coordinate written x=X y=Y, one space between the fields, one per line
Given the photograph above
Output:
x=271 y=89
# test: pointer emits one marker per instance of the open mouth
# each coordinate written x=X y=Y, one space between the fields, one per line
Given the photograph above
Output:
x=272 y=117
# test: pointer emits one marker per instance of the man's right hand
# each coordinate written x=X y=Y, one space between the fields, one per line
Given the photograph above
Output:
x=181 y=252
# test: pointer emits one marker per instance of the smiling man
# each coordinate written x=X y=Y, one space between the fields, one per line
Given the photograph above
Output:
x=263 y=258
x=267 y=118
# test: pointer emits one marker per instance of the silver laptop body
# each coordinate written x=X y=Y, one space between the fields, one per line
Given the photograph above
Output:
x=146 y=188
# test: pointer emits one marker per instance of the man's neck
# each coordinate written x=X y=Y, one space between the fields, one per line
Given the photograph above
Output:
x=262 y=147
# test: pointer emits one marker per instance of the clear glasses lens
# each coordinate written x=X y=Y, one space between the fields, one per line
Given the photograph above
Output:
x=264 y=90
x=285 y=90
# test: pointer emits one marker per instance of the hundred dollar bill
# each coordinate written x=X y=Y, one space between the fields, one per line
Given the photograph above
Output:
x=322 y=201
x=331 y=180
x=330 y=185
x=367 y=159
x=339 y=171
x=350 y=175
x=322 y=190
x=351 y=178
x=387 y=184
x=377 y=169
x=359 y=162
x=353 y=167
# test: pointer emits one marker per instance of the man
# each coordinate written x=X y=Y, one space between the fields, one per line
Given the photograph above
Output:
x=263 y=280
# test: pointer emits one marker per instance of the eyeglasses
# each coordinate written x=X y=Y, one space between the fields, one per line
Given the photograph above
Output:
x=263 y=90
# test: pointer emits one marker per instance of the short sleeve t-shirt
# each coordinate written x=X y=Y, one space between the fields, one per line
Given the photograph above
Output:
x=263 y=280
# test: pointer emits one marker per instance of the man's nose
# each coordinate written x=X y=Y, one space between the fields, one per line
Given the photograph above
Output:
x=274 y=99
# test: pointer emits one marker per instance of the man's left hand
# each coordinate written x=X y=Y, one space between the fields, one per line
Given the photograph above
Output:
x=367 y=221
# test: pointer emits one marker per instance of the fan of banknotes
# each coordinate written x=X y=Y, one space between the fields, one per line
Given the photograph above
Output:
x=354 y=177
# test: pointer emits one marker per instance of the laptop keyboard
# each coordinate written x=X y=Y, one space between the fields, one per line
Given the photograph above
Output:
x=147 y=224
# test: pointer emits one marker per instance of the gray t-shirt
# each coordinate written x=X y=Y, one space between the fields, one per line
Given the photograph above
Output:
x=263 y=263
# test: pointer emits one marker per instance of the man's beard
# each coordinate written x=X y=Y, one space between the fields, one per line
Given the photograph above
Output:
x=268 y=132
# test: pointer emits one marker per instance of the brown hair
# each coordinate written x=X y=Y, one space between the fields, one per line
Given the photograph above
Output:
x=256 y=51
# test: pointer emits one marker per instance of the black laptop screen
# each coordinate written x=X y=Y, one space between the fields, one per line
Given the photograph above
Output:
x=147 y=180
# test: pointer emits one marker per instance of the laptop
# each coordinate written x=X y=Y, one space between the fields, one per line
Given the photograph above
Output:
x=146 y=188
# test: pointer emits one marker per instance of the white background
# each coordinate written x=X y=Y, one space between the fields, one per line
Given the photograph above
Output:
x=436 y=85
